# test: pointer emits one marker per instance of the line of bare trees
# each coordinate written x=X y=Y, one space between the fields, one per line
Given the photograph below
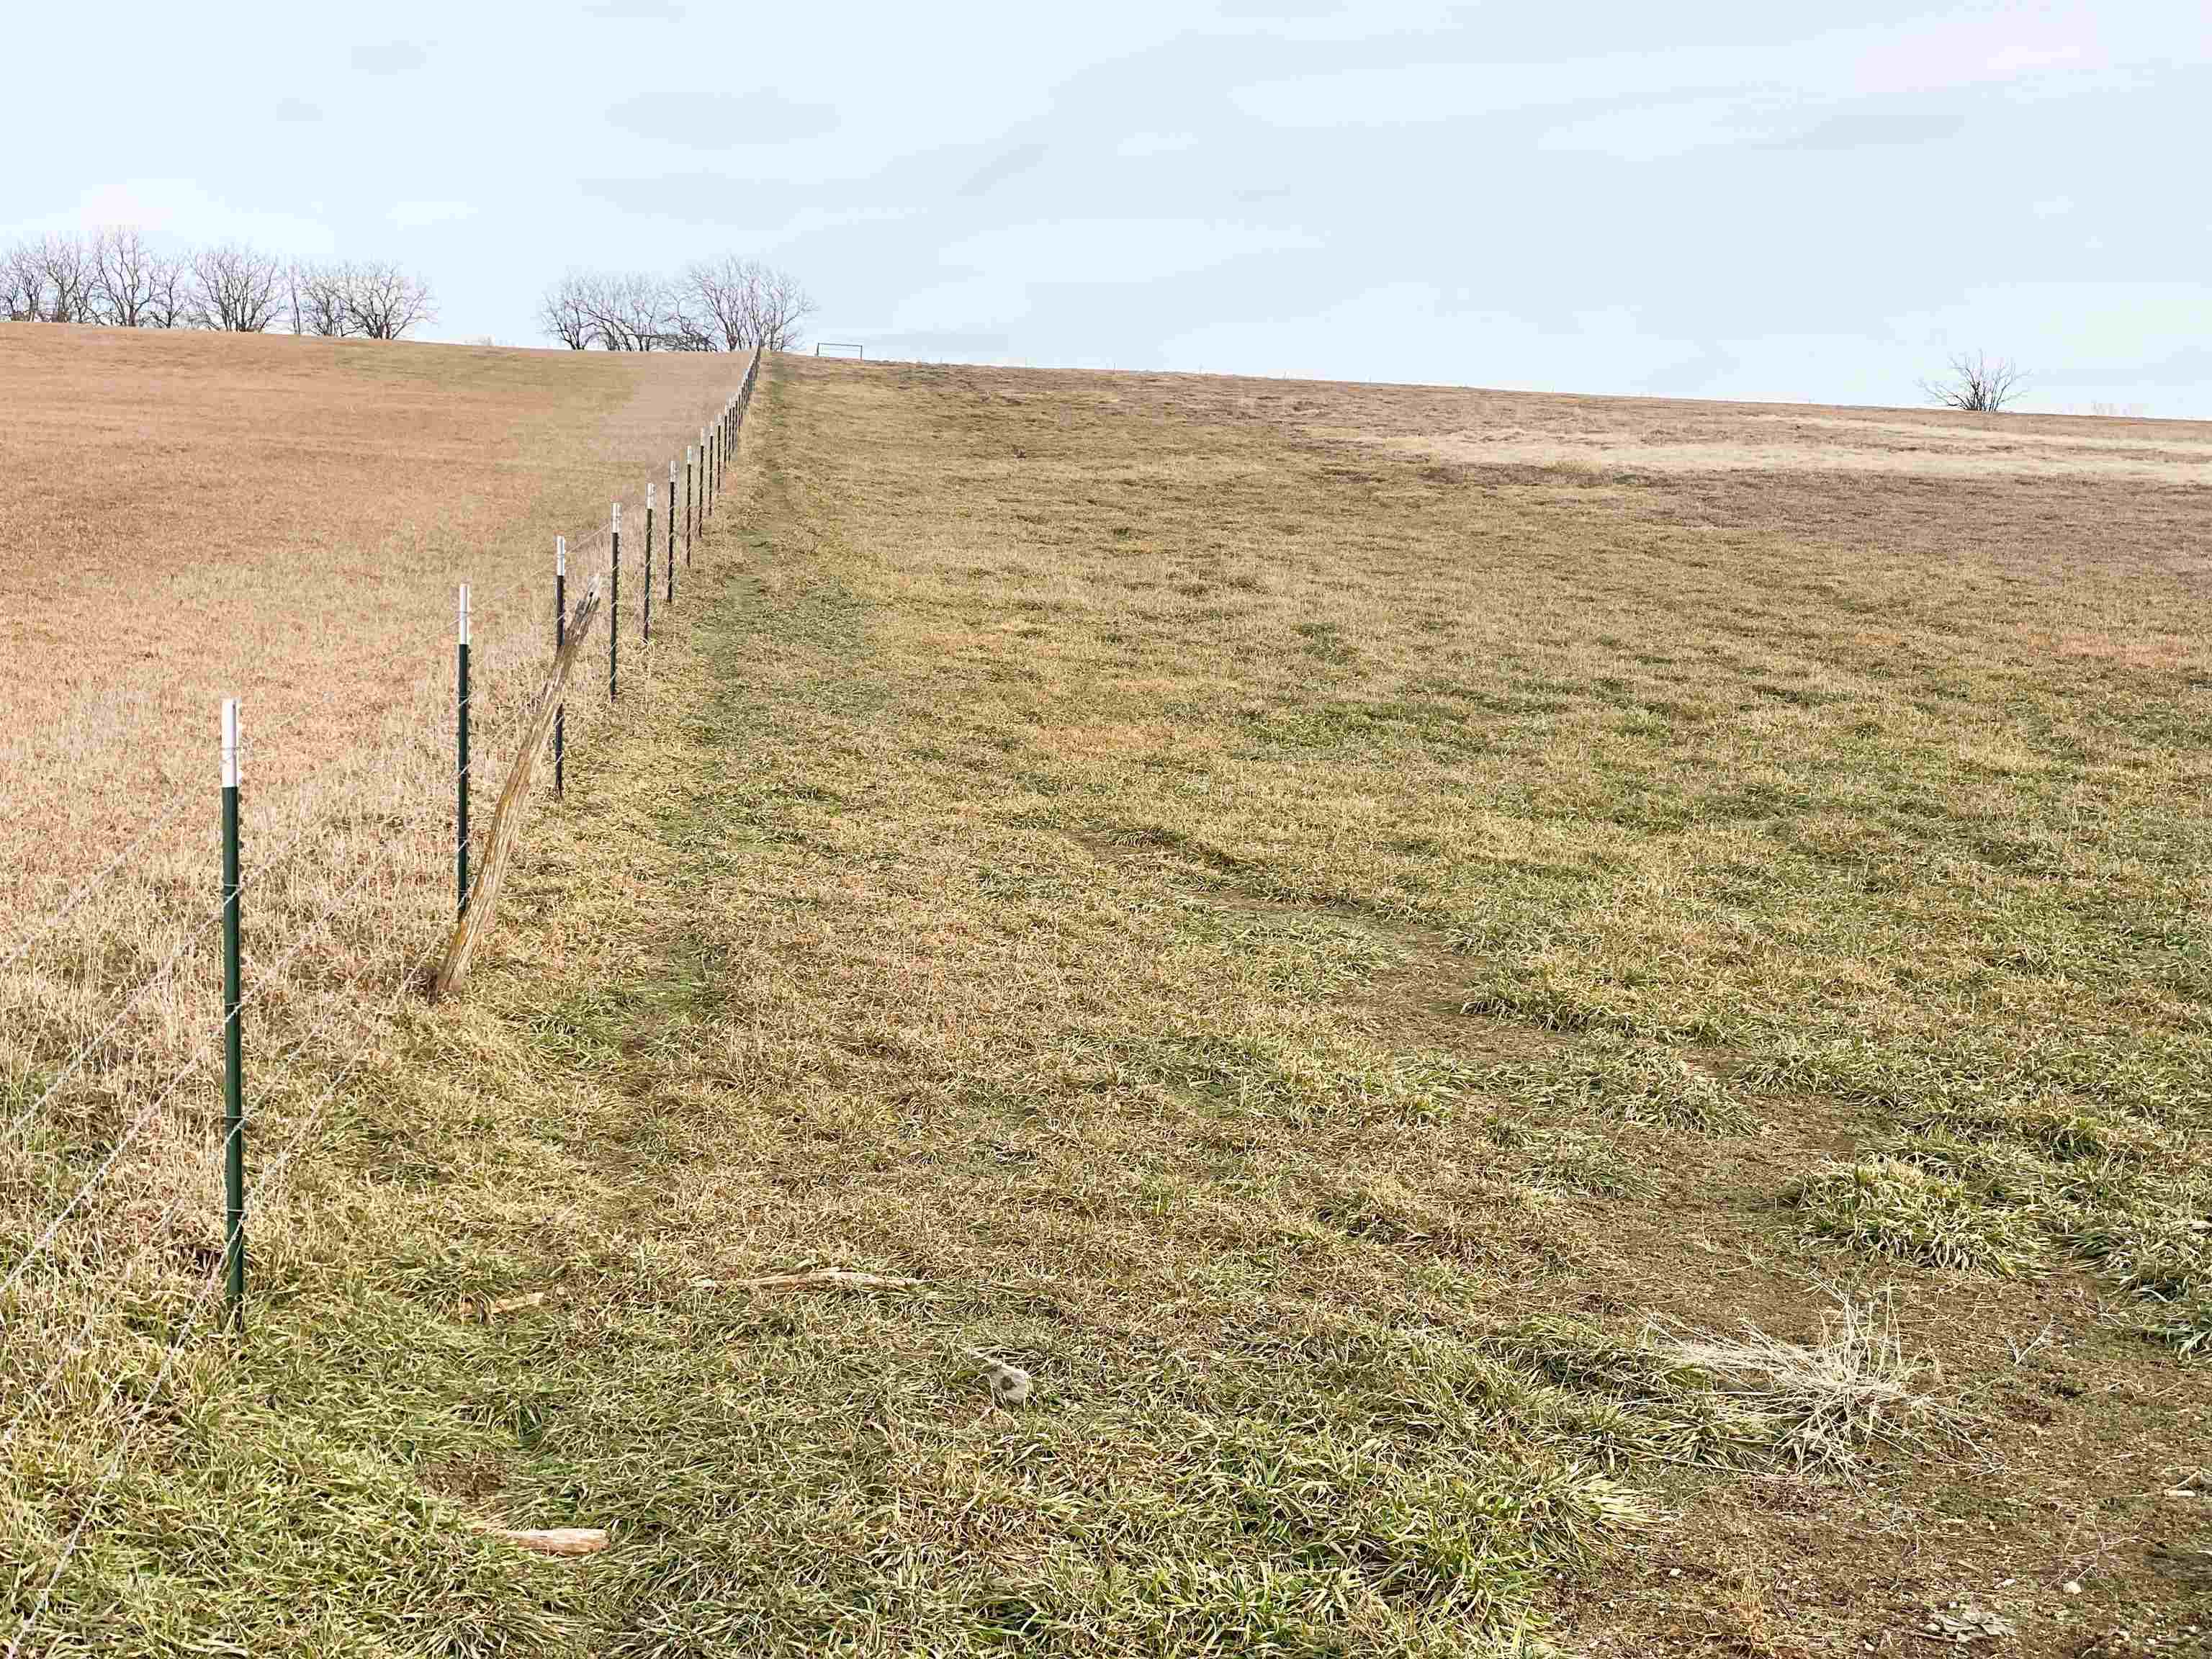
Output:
x=117 y=278
x=722 y=305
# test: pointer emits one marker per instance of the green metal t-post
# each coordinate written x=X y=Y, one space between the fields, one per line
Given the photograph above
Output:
x=560 y=639
x=233 y=1035
x=461 y=754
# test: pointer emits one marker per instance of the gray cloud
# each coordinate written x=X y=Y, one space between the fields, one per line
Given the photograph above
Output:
x=698 y=197
x=389 y=58
x=1878 y=123
x=1014 y=163
x=722 y=120
x=297 y=109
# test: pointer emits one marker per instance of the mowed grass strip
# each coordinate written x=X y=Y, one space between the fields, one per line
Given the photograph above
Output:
x=1205 y=916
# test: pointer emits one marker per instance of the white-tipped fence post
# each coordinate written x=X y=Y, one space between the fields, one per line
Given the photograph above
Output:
x=234 y=1035
x=690 y=469
x=614 y=603
x=672 y=532
x=645 y=607
x=461 y=751
x=560 y=639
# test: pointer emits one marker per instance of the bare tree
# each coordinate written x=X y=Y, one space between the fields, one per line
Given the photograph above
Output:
x=22 y=284
x=719 y=290
x=382 y=302
x=68 y=278
x=563 y=314
x=169 y=294
x=236 y=289
x=743 y=303
x=780 y=307
x=317 y=293
x=134 y=279
x=1977 y=384
x=685 y=324
x=629 y=311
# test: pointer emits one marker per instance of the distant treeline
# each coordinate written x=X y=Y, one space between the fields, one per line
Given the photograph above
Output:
x=726 y=304
x=118 y=279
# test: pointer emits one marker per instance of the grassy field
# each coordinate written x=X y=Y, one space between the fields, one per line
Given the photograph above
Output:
x=1545 y=1023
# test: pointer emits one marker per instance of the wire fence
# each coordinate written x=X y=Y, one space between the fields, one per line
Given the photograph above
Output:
x=145 y=1124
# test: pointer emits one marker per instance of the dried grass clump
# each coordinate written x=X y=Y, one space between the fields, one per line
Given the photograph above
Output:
x=1679 y=1396
x=1824 y=1402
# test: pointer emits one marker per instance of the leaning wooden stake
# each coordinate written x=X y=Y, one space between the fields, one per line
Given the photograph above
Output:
x=507 y=818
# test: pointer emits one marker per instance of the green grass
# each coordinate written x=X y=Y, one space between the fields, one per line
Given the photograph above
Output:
x=1278 y=976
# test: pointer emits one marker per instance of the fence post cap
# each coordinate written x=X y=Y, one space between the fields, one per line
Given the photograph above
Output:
x=461 y=615
x=560 y=555
x=230 y=743
x=617 y=515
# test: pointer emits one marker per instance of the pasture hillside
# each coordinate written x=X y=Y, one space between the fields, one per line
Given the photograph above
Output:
x=1540 y=1020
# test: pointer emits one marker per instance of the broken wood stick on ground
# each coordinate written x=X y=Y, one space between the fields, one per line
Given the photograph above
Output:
x=549 y=1541
x=821 y=1279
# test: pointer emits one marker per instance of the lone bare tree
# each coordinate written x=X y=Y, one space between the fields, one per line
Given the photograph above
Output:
x=236 y=289
x=1977 y=384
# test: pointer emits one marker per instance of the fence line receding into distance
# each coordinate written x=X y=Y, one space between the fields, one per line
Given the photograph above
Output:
x=84 y=1109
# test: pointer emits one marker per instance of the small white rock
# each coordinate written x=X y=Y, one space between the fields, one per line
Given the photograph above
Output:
x=1010 y=1384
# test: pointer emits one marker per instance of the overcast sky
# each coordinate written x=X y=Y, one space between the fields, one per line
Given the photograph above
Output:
x=1698 y=199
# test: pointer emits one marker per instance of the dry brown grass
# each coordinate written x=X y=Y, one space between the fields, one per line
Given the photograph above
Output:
x=195 y=516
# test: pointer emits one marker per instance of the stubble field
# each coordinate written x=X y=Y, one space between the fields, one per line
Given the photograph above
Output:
x=1542 y=1020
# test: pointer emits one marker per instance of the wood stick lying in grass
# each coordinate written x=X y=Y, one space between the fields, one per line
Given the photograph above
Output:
x=821 y=1279
x=551 y=1541
x=489 y=1311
